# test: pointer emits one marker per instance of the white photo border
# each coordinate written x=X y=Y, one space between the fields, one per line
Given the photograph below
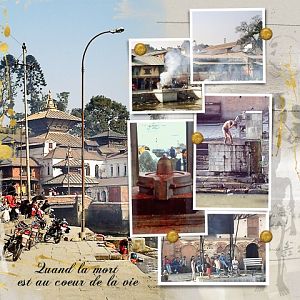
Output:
x=151 y=112
x=264 y=80
x=268 y=208
x=130 y=181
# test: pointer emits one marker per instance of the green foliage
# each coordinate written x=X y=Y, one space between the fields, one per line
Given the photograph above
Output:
x=35 y=83
x=63 y=100
x=8 y=88
x=76 y=130
x=250 y=33
x=102 y=113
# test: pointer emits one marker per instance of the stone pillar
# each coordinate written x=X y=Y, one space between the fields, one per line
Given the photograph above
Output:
x=189 y=146
x=254 y=125
x=134 y=153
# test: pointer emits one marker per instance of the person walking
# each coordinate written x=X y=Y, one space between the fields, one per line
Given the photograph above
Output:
x=193 y=268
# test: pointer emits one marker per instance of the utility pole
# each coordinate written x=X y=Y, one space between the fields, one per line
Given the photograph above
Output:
x=26 y=123
x=68 y=161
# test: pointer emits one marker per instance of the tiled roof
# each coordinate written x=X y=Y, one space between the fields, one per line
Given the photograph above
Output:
x=59 y=152
x=53 y=114
x=221 y=46
x=112 y=181
x=118 y=155
x=105 y=150
x=91 y=143
x=75 y=180
x=156 y=52
x=73 y=162
x=148 y=61
x=109 y=133
x=64 y=139
x=61 y=138
x=17 y=161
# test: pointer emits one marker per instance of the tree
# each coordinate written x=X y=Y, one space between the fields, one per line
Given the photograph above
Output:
x=35 y=83
x=8 y=86
x=250 y=33
x=76 y=130
x=63 y=100
x=102 y=113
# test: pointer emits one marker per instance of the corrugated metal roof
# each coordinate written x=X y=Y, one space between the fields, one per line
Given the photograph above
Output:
x=75 y=180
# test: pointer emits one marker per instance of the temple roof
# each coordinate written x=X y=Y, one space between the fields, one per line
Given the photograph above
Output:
x=59 y=152
x=109 y=133
x=51 y=112
x=75 y=180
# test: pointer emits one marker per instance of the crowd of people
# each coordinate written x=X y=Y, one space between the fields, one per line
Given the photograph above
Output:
x=203 y=265
x=11 y=207
x=175 y=265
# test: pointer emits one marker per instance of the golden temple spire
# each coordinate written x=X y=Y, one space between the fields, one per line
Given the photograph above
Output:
x=50 y=103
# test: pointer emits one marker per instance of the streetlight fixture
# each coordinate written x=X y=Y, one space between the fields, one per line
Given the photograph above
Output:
x=117 y=30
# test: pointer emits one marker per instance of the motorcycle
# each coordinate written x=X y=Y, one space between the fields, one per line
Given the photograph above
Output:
x=16 y=242
x=37 y=226
x=56 y=230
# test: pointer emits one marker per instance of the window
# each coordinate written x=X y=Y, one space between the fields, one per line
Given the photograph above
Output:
x=111 y=170
x=88 y=170
x=48 y=170
x=50 y=145
x=103 y=196
x=118 y=170
x=125 y=170
x=97 y=171
x=98 y=196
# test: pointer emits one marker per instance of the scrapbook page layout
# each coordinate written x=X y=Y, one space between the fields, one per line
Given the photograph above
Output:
x=149 y=149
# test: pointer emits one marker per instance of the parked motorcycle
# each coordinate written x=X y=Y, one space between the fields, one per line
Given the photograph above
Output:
x=16 y=242
x=56 y=230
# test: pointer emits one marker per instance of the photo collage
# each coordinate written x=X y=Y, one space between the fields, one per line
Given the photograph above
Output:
x=199 y=162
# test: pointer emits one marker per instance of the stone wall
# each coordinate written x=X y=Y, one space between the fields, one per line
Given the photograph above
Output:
x=228 y=158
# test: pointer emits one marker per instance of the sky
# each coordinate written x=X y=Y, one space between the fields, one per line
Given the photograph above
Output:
x=161 y=135
x=57 y=31
x=211 y=27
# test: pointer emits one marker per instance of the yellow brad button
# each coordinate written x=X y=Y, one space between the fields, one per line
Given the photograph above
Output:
x=3 y=47
x=266 y=236
x=5 y=152
x=197 y=138
x=6 y=31
x=266 y=33
x=172 y=236
x=140 y=49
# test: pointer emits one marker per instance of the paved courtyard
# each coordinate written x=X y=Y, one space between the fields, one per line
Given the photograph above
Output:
x=76 y=282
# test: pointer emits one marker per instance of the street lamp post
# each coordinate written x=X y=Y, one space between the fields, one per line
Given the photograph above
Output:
x=117 y=30
x=26 y=124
